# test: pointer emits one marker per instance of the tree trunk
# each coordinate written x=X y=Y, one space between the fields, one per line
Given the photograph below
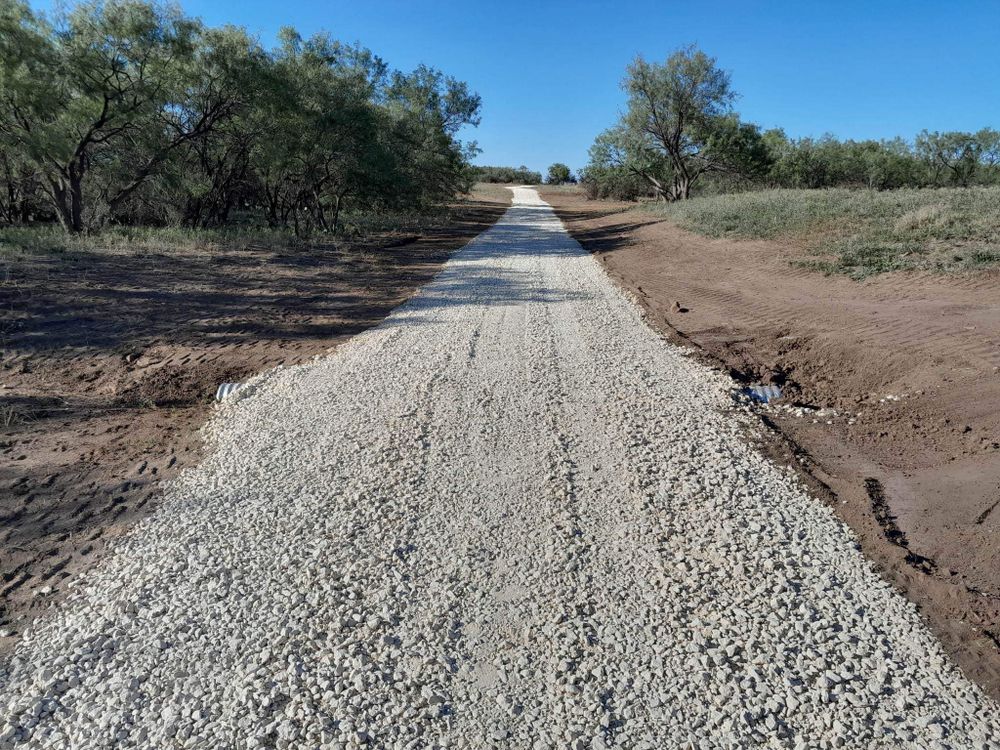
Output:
x=192 y=213
x=60 y=201
x=24 y=211
x=336 y=212
x=76 y=201
x=273 y=219
x=227 y=206
x=658 y=191
x=11 y=207
x=320 y=212
x=67 y=198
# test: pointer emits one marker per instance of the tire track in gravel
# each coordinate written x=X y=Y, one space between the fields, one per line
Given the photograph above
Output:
x=511 y=516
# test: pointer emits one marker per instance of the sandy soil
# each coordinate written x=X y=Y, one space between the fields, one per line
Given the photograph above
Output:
x=910 y=364
x=111 y=362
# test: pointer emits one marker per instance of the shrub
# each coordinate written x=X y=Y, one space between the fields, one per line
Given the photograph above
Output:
x=506 y=175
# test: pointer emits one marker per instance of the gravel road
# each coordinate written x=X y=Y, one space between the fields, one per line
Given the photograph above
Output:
x=510 y=516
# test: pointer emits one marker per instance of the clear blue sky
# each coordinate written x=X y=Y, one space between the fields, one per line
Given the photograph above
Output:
x=549 y=71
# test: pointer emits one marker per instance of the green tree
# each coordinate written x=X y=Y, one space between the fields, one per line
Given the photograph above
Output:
x=318 y=131
x=21 y=197
x=196 y=146
x=128 y=111
x=988 y=142
x=428 y=110
x=113 y=74
x=679 y=126
x=619 y=158
x=559 y=174
x=603 y=180
x=953 y=156
x=737 y=149
x=506 y=175
x=675 y=109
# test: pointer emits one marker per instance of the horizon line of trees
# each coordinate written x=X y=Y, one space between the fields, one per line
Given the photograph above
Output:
x=130 y=112
x=506 y=175
x=681 y=134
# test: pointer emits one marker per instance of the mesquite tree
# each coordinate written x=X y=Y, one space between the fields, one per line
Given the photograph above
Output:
x=679 y=125
x=85 y=94
x=127 y=111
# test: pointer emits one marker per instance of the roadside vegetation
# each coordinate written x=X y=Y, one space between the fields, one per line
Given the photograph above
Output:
x=358 y=229
x=559 y=174
x=506 y=175
x=862 y=207
x=128 y=113
x=858 y=232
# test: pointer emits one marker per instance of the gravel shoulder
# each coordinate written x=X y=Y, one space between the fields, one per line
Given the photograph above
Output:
x=542 y=526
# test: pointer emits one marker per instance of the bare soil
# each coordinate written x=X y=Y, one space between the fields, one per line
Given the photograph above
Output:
x=111 y=362
x=905 y=368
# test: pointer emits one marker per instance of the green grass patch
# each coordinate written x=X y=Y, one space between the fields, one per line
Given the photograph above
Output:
x=858 y=232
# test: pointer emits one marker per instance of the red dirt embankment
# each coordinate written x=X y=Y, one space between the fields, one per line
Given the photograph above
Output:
x=906 y=368
x=111 y=361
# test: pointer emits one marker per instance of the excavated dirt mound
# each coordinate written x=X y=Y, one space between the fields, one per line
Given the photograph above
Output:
x=892 y=396
x=111 y=363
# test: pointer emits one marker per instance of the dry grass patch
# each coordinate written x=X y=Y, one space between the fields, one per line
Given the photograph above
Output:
x=858 y=232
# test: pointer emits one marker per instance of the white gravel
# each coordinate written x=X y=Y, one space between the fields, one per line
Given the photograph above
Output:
x=510 y=516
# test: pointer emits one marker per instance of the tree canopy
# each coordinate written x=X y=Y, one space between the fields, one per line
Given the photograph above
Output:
x=559 y=174
x=506 y=175
x=679 y=125
x=129 y=111
x=680 y=133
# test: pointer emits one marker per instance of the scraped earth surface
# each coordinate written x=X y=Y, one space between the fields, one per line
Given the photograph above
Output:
x=892 y=395
x=541 y=526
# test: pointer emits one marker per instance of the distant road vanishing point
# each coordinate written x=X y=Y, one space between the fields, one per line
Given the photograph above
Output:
x=509 y=516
